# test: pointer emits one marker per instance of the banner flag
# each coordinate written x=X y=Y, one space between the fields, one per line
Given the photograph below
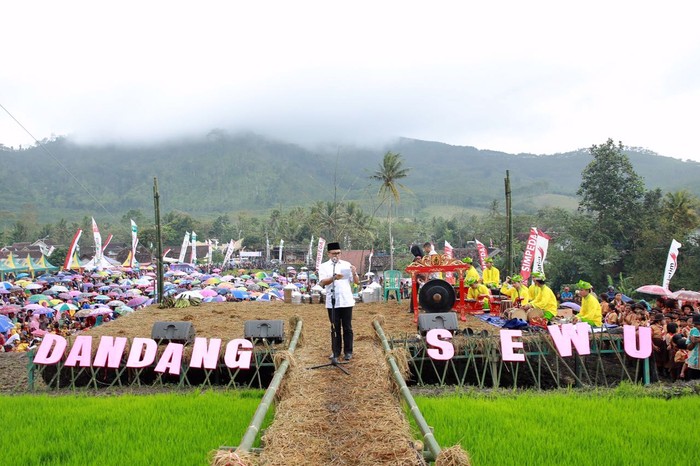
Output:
x=540 y=252
x=483 y=253
x=671 y=263
x=193 y=253
x=309 y=257
x=238 y=244
x=71 y=249
x=106 y=243
x=369 y=264
x=134 y=241
x=528 y=255
x=183 y=249
x=165 y=254
x=98 y=243
x=319 y=251
x=449 y=254
x=227 y=256
x=281 y=247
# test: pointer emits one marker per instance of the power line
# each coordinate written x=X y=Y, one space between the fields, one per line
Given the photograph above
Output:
x=39 y=144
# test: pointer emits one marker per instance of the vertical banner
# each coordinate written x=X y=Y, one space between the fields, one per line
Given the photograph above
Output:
x=483 y=253
x=193 y=254
x=134 y=242
x=310 y=255
x=540 y=252
x=449 y=254
x=183 y=249
x=227 y=257
x=529 y=255
x=71 y=250
x=319 y=252
x=98 y=243
x=165 y=254
x=106 y=243
x=671 y=263
x=267 y=248
x=369 y=261
x=209 y=252
x=281 y=247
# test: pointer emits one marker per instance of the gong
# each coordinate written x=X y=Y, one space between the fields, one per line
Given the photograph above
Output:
x=436 y=296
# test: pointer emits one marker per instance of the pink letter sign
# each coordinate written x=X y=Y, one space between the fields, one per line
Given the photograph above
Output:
x=171 y=359
x=203 y=355
x=644 y=349
x=81 y=352
x=235 y=357
x=45 y=355
x=142 y=353
x=440 y=347
x=566 y=335
x=508 y=345
x=110 y=352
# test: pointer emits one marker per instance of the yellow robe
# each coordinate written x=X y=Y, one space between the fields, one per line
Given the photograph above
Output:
x=545 y=300
x=590 y=311
x=472 y=273
x=474 y=293
x=513 y=294
x=492 y=276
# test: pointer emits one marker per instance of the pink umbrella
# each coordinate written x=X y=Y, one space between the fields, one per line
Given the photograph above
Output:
x=208 y=292
x=34 y=307
x=9 y=308
x=75 y=293
x=655 y=290
x=686 y=295
x=39 y=333
x=137 y=301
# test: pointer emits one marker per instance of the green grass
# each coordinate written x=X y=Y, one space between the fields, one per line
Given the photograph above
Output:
x=172 y=429
x=612 y=427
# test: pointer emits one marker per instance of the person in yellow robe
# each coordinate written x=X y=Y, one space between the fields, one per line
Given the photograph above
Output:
x=471 y=271
x=515 y=290
x=476 y=290
x=590 y=312
x=544 y=299
x=492 y=276
x=533 y=289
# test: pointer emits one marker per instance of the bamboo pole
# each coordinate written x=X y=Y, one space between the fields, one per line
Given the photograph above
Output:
x=254 y=428
x=428 y=437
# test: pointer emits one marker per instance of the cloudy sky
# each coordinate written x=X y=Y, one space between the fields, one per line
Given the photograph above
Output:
x=515 y=76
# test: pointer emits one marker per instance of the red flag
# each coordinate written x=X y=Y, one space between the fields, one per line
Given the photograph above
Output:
x=483 y=253
x=71 y=250
x=529 y=255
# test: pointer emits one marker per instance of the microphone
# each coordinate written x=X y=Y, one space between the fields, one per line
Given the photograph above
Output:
x=334 y=260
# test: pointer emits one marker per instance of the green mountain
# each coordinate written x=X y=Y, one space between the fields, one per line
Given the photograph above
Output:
x=224 y=173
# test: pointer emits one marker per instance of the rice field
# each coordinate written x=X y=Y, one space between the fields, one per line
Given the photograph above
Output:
x=625 y=426
x=172 y=429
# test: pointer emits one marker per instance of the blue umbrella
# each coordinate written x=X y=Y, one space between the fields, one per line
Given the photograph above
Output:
x=5 y=323
x=238 y=294
x=22 y=275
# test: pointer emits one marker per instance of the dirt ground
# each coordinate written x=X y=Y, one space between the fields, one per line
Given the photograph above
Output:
x=322 y=416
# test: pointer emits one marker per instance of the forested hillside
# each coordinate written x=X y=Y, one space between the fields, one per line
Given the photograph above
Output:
x=224 y=173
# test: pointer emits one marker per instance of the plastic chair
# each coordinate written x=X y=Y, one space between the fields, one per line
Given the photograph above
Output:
x=392 y=282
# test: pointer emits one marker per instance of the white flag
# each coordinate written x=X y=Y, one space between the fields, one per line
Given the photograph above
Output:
x=540 y=252
x=134 y=242
x=319 y=252
x=98 y=243
x=671 y=262
x=183 y=249
x=193 y=254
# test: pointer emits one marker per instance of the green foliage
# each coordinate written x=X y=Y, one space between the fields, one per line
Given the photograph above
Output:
x=174 y=429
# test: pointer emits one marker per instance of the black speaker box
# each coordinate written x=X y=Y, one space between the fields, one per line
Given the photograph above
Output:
x=446 y=320
x=177 y=332
x=272 y=330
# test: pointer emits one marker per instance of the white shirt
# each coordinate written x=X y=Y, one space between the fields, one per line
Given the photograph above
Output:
x=343 y=287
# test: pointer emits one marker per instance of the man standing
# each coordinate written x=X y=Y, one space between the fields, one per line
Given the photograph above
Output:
x=337 y=275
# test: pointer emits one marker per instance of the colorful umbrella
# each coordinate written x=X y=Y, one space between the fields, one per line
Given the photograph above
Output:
x=654 y=290
x=686 y=295
x=35 y=298
x=137 y=301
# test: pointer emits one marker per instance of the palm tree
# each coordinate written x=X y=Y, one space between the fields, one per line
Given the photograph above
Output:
x=390 y=170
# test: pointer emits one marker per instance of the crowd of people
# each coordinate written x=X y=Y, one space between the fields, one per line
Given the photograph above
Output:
x=68 y=303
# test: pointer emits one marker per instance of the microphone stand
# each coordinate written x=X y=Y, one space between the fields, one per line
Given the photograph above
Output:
x=334 y=359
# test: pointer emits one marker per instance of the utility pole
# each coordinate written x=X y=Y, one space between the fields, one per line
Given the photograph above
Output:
x=509 y=221
x=159 y=243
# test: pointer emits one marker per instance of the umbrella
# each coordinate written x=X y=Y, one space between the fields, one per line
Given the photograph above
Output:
x=6 y=285
x=570 y=305
x=686 y=295
x=83 y=313
x=654 y=289
x=121 y=310
x=63 y=307
x=38 y=333
x=238 y=294
x=208 y=293
x=214 y=299
x=101 y=311
x=263 y=285
x=190 y=294
x=245 y=276
x=137 y=301
x=3 y=291
x=35 y=298
x=22 y=275
x=33 y=286
x=102 y=297
x=9 y=308
x=212 y=281
x=115 y=303
x=5 y=323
